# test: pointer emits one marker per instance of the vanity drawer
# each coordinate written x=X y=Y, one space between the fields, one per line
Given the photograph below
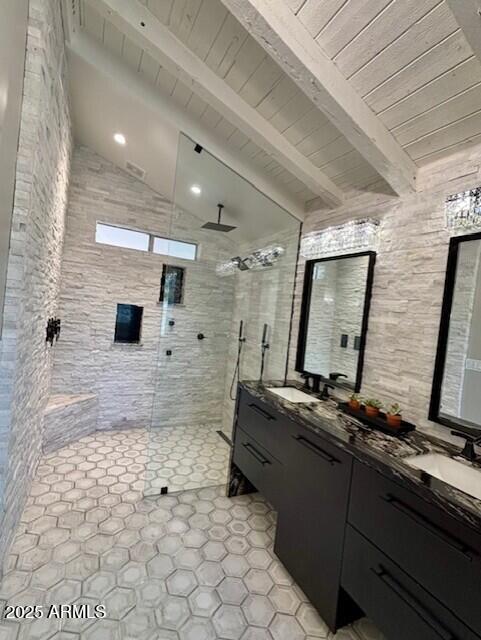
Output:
x=395 y=602
x=258 y=465
x=437 y=550
x=264 y=424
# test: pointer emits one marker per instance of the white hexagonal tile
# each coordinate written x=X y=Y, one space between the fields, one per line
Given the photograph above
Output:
x=181 y=583
x=284 y=626
x=48 y=575
x=98 y=584
x=119 y=602
x=151 y=592
x=284 y=599
x=204 y=601
x=229 y=622
x=235 y=566
x=258 y=581
x=132 y=574
x=197 y=629
x=172 y=613
x=161 y=566
x=258 y=610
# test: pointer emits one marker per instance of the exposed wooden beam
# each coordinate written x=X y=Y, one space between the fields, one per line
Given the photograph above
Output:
x=136 y=21
x=275 y=27
x=467 y=14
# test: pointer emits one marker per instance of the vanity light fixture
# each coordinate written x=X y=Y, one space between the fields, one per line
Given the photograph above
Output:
x=120 y=138
x=463 y=210
x=196 y=190
x=356 y=235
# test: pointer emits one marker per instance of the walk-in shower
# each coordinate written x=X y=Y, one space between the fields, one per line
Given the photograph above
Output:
x=240 y=281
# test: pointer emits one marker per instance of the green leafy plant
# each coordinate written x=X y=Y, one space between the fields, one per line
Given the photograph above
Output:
x=355 y=397
x=394 y=410
x=373 y=402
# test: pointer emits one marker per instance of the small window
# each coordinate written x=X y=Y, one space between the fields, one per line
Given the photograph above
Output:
x=175 y=248
x=119 y=237
x=128 y=323
x=172 y=284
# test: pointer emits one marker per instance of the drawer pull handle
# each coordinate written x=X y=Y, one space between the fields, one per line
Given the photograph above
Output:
x=261 y=411
x=412 y=602
x=430 y=526
x=253 y=451
x=317 y=450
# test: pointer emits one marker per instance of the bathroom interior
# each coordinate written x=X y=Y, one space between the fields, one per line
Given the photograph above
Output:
x=240 y=320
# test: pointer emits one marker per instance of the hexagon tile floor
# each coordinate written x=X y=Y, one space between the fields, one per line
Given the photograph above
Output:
x=190 y=566
x=185 y=457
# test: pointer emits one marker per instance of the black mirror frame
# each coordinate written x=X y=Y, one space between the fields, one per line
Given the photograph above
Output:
x=304 y=320
x=440 y=361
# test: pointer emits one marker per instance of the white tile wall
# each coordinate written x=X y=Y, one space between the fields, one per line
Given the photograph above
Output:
x=35 y=258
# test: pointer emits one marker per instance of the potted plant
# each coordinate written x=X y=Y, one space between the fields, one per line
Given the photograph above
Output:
x=372 y=407
x=393 y=415
x=355 y=401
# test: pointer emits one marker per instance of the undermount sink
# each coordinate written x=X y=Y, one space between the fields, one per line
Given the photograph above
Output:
x=457 y=474
x=292 y=394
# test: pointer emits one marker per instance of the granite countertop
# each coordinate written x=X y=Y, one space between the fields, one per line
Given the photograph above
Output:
x=385 y=453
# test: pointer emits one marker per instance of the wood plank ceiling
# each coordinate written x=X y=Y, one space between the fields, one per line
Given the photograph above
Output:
x=411 y=63
x=408 y=59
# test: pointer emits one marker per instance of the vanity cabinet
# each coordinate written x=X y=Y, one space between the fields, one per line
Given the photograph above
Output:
x=307 y=480
x=436 y=550
x=399 y=605
x=348 y=534
x=263 y=423
x=259 y=466
x=310 y=529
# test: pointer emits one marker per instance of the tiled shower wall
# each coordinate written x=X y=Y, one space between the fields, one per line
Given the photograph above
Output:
x=130 y=380
x=35 y=257
x=262 y=296
x=408 y=283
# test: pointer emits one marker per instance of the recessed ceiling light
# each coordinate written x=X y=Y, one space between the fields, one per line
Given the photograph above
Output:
x=196 y=190
x=120 y=138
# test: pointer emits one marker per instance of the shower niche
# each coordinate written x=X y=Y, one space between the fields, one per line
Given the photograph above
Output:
x=242 y=275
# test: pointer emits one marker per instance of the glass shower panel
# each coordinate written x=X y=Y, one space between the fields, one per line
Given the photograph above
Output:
x=230 y=256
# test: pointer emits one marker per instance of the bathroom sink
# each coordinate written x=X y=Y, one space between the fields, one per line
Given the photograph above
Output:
x=292 y=394
x=457 y=474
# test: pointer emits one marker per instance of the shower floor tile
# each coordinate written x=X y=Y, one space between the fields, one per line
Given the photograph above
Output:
x=185 y=457
x=166 y=568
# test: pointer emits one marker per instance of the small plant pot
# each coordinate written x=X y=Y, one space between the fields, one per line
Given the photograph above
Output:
x=372 y=412
x=394 y=421
x=355 y=404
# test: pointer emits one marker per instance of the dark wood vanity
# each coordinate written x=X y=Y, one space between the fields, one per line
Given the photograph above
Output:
x=354 y=534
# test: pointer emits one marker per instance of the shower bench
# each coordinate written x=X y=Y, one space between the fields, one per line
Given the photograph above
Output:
x=68 y=417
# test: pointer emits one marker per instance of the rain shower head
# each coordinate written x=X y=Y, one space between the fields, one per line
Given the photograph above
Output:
x=218 y=226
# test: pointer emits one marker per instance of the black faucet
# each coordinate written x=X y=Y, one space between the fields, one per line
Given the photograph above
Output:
x=325 y=391
x=335 y=375
x=468 y=451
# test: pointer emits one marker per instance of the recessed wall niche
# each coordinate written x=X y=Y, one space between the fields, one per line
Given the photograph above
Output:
x=128 y=323
x=172 y=284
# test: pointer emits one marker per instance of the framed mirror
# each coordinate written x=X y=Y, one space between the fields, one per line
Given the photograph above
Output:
x=334 y=317
x=456 y=392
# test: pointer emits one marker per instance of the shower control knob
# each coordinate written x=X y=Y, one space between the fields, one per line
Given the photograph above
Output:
x=171 y=323
x=200 y=336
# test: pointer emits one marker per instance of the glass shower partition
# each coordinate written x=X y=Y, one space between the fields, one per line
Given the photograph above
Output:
x=212 y=279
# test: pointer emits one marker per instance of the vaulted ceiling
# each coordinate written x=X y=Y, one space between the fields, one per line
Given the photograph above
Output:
x=322 y=100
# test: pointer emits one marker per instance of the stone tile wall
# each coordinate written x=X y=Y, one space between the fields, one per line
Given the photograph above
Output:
x=132 y=380
x=68 y=418
x=408 y=283
x=35 y=259
x=262 y=296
